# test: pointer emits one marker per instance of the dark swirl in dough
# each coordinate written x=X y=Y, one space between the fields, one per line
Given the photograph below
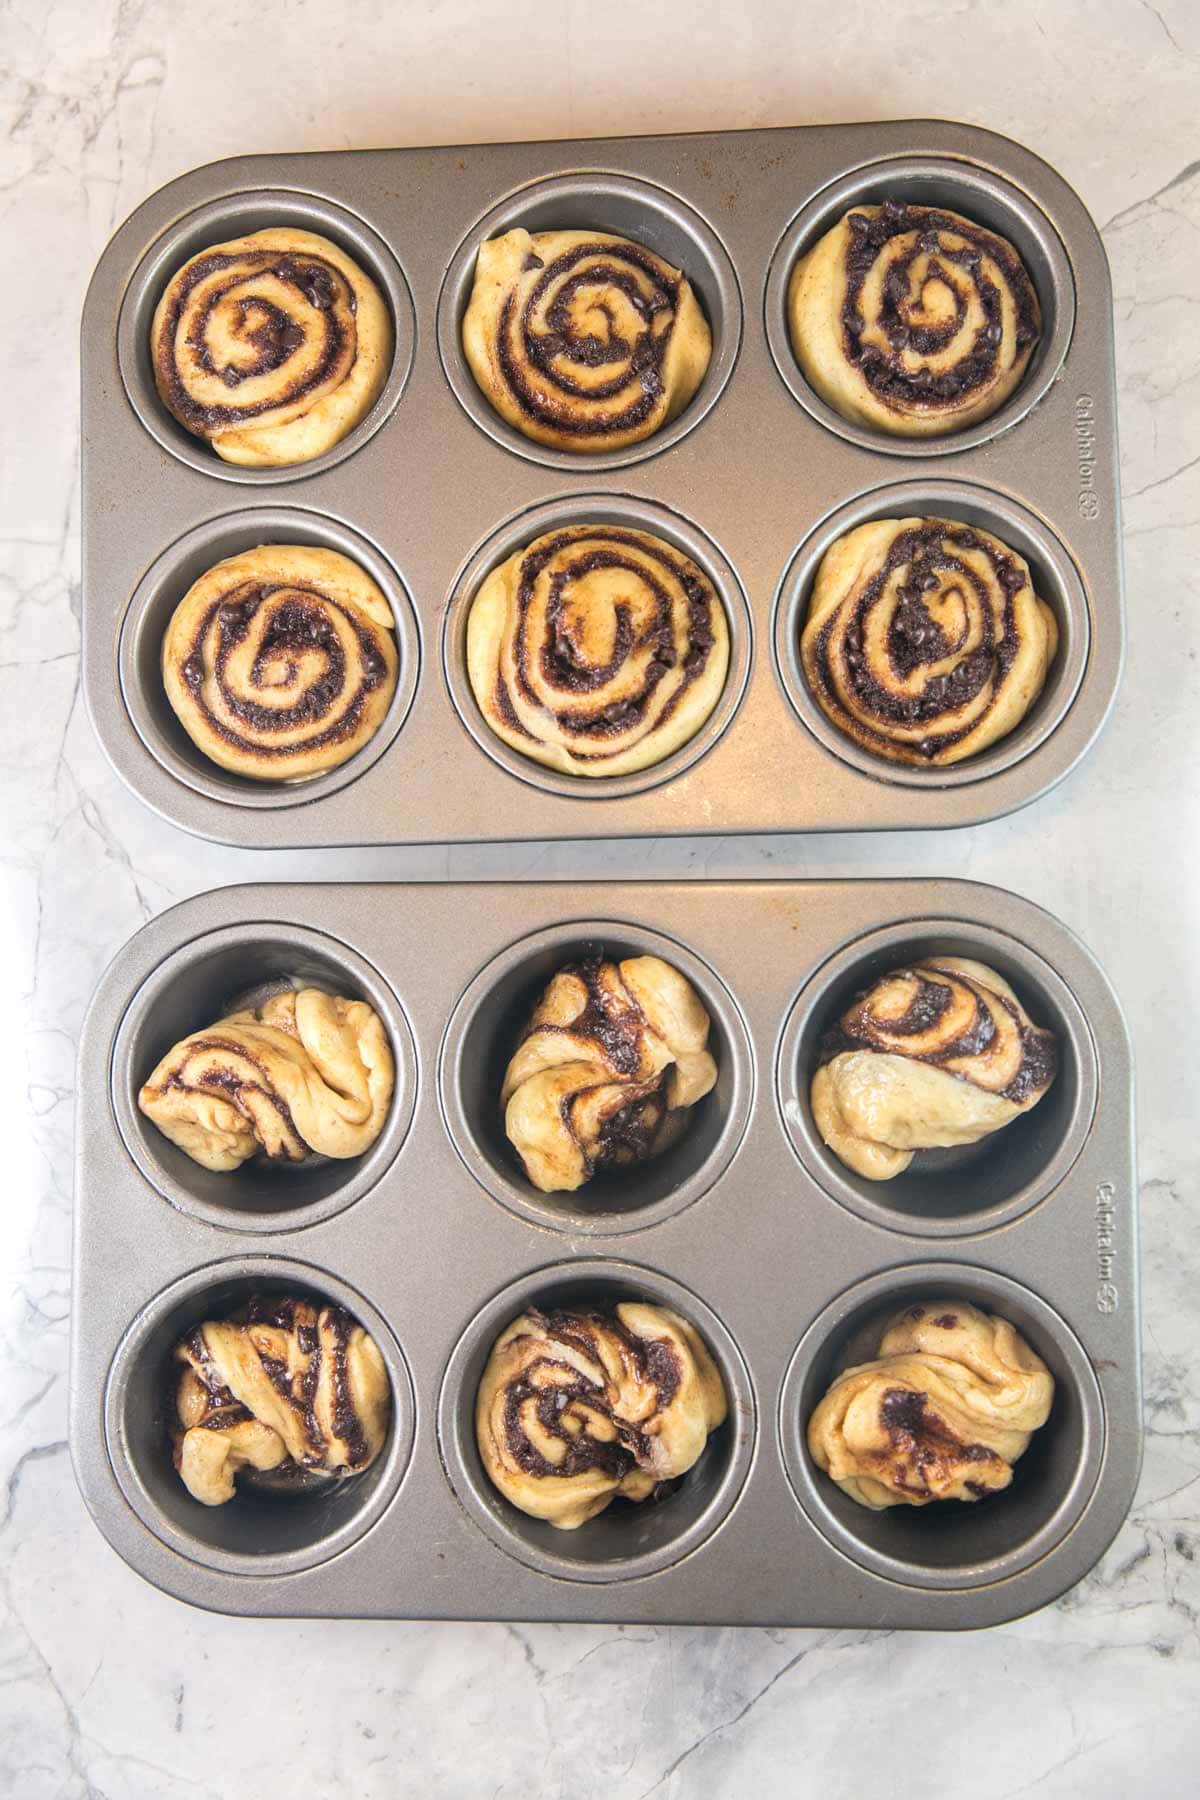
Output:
x=913 y=319
x=283 y=1385
x=925 y=641
x=939 y=1053
x=576 y=1408
x=281 y=662
x=597 y=650
x=581 y=340
x=272 y=347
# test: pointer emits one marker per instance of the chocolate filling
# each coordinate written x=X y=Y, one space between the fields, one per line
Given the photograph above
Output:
x=298 y=1389
x=654 y=1362
x=560 y=658
x=297 y=620
x=921 y=1441
x=889 y=378
x=858 y=1029
x=272 y=333
x=927 y=559
x=546 y=352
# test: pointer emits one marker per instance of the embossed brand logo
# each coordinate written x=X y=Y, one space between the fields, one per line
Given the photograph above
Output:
x=1085 y=456
x=1107 y=1296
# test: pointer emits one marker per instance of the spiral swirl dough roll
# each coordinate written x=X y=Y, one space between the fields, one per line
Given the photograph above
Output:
x=581 y=340
x=284 y=1386
x=613 y=1056
x=936 y=1054
x=948 y=1406
x=912 y=320
x=281 y=662
x=306 y=1073
x=272 y=346
x=597 y=650
x=578 y=1408
x=925 y=641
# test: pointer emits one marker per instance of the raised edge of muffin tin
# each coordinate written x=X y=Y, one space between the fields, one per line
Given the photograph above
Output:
x=750 y=1234
x=754 y=466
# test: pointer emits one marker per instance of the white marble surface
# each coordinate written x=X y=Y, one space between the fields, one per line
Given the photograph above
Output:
x=109 y=1689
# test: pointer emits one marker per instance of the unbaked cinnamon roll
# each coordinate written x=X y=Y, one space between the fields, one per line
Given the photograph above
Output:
x=912 y=319
x=283 y=1385
x=272 y=347
x=581 y=340
x=948 y=1406
x=936 y=1054
x=281 y=662
x=597 y=650
x=576 y=1409
x=306 y=1073
x=613 y=1056
x=925 y=641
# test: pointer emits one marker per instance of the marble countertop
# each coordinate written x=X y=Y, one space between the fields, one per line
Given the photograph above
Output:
x=109 y=1689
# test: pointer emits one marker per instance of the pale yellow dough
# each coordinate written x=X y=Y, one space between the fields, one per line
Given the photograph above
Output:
x=817 y=294
x=302 y=407
x=319 y=586
x=519 y=696
x=564 y=405
x=987 y=714
x=304 y=1073
x=876 y=1104
x=607 y=1395
x=324 y=1404
x=950 y=1403
x=563 y=1089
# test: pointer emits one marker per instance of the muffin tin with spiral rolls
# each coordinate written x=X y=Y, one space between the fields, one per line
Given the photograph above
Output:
x=434 y=1240
x=753 y=481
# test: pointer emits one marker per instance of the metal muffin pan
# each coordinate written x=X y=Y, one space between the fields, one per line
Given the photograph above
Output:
x=436 y=1240
x=754 y=479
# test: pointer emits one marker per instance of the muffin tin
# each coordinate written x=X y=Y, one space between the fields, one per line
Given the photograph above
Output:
x=748 y=1226
x=753 y=480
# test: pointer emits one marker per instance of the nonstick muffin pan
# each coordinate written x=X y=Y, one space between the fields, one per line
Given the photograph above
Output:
x=754 y=480
x=784 y=1262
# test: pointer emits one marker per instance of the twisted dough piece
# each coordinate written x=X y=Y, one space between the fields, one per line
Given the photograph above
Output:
x=575 y=1408
x=303 y=1073
x=282 y=1384
x=913 y=320
x=925 y=641
x=271 y=346
x=280 y=662
x=582 y=340
x=937 y=1054
x=597 y=650
x=612 y=1055
x=943 y=1413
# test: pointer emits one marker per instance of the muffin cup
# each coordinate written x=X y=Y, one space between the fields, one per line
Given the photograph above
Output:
x=260 y=1532
x=626 y=1541
x=968 y=1188
x=979 y=194
x=634 y=515
x=155 y=599
x=949 y=1544
x=218 y=222
x=624 y=207
x=483 y=1033
x=1056 y=580
x=193 y=988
